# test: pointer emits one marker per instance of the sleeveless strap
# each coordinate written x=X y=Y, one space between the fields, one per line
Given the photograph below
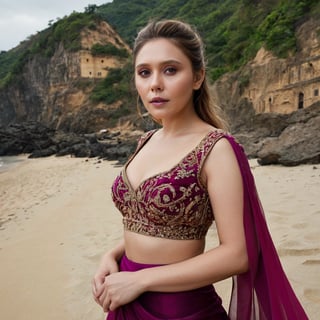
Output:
x=207 y=145
x=143 y=139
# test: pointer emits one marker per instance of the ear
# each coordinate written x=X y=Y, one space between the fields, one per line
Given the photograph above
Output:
x=198 y=79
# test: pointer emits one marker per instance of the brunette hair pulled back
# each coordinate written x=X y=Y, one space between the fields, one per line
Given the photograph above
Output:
x=188 y=40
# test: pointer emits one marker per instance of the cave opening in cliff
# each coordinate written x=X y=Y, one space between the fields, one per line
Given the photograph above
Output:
x=301 y=100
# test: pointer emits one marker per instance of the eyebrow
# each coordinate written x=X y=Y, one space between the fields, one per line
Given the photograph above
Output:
x=171 y=61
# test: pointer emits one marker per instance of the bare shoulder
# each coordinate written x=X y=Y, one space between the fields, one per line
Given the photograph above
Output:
x=222 y=150
x=221 y=158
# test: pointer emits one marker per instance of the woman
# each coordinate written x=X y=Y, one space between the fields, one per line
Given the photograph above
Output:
x=181 y=178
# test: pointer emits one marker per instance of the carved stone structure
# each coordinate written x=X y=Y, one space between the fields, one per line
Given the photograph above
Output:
x=291 y=86
x=97 y=66
x=285 y=85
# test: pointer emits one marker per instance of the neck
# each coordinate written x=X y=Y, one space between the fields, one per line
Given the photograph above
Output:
x=181 y=126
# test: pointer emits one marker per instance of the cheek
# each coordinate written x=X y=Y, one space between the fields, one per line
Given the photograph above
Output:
x=183 y=85
x=139 y=86
x=136 y=83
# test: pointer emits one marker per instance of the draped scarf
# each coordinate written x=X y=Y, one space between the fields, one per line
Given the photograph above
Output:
x=264 y=292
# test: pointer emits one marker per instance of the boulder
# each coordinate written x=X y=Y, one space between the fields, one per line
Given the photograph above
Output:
x=299 y=143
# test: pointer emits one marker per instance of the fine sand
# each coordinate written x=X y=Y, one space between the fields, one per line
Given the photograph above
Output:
x=57 y=218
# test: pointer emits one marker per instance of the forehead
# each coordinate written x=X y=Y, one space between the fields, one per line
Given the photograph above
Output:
x=160 y=49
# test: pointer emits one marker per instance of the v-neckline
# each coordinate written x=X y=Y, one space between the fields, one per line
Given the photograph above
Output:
x=143 y=181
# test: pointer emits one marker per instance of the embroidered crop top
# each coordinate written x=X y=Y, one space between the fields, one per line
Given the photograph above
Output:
x=173 y=204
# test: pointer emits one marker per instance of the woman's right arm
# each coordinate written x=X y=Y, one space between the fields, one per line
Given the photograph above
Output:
x=108 y=265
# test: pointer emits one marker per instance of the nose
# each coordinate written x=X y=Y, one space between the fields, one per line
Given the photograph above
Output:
x=156 y=82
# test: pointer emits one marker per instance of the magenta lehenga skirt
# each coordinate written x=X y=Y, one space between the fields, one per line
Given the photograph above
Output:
x=198 y=304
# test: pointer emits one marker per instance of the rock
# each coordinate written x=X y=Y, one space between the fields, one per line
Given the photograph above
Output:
x=290 y=139
x=24 y=138
x=299 y=143
x=287 y=139
x=37 y=140
x=44 y=153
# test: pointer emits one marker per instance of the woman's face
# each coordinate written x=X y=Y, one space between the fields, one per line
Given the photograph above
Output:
x=164 y=79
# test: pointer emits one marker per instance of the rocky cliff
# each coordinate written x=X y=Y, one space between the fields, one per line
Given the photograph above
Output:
x=55 y=91
x=273 y=105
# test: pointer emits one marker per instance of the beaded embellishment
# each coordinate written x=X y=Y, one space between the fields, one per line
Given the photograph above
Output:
x=173 y=204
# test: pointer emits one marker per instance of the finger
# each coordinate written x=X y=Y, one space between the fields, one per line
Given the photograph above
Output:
x=95 y=297
x=106 y=305
x=112 y=306
x=99 y=291
x=94 y=288
x=97 y=288
x=97 y=301
x=102 y=298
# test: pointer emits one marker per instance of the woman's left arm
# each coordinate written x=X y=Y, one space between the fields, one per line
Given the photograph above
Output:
x=229 y=258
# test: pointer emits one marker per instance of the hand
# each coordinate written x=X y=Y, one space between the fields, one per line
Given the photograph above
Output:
x=119 y=289
x=107 y=266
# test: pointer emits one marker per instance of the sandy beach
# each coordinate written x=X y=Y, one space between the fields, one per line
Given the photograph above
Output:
x=57 y=218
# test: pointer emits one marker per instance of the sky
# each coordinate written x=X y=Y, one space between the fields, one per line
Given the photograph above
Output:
x=21 y=18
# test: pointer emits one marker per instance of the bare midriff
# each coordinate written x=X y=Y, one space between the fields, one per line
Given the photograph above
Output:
x=153 y=250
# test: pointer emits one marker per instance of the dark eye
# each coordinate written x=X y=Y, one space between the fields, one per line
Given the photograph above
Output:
x=170 y=70
x=143 y=73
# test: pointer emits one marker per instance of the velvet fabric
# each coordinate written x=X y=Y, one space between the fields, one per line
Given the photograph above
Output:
x=198 y=304
x=172 y=204
x=262 y=293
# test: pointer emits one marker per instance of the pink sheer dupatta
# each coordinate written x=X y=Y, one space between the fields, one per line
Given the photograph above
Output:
x=264 y=292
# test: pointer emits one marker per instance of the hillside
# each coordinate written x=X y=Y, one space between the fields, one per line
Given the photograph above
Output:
x=233 y=30
x=59 y=76
x=263 y=61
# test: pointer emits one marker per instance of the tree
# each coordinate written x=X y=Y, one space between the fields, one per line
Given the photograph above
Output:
x=91 y=8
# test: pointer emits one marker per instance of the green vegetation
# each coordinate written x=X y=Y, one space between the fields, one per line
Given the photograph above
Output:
x=109 y=50
x=277 y=30
x=11 y=64
x=66 y=31
x=233 y=32
x=115 y=87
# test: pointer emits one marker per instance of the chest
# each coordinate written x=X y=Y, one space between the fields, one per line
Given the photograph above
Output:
x=154 y=159
x=172 y=205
